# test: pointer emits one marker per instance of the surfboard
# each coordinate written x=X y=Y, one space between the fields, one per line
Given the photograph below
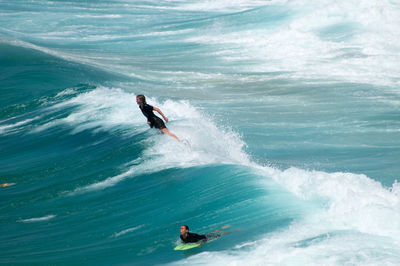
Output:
x=187 y=246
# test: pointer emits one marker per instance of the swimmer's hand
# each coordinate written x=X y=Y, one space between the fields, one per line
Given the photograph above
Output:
x=166 y=119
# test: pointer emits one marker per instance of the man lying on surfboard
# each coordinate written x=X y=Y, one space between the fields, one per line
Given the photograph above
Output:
x=188 y=237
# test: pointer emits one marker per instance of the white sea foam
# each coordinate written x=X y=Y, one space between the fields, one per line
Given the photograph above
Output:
x=66 y=92
x=126 y=231
x=353 y=214
x=222 y=5
x=345 y=41
x=294 y=248
x=355 y=221
x=38 y=219
x=351 y=201
x=112 y=16
x=109 y=109
x=14 y=128
x=109 y=182
x=348 y=202
x=102 y=109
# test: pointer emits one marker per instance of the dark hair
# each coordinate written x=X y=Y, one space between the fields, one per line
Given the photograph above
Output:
x=142 y=99
x=187 y=227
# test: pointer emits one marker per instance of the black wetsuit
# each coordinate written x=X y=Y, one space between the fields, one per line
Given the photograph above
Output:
x=154 y=120
x=193 y=238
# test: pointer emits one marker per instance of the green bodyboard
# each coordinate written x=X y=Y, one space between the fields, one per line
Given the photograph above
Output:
x=186 y=246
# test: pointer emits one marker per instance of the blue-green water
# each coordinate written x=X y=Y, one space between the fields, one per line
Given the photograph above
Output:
x=291 y=109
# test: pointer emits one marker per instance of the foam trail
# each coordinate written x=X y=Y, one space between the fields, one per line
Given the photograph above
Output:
x=38 y=219
x=222 y=6
x=109 y=182
x=13 y=128
x=123 y=232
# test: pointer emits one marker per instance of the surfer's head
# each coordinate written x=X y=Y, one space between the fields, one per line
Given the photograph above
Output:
x=184 y=230
x=140 y=99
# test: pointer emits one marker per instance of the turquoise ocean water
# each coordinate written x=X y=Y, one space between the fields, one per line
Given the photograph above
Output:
x=291 y=109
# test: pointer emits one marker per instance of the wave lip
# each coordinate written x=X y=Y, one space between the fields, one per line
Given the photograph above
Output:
x=349 y=201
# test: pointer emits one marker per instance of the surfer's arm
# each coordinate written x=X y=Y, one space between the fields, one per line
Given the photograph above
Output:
x=161 y=113
x=202 y=240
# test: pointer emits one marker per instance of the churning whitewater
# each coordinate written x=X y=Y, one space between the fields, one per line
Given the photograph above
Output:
x=290 y=112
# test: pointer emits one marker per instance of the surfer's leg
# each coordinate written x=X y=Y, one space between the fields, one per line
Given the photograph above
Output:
x=218 y=233
x=222 y=228
x=165 y=130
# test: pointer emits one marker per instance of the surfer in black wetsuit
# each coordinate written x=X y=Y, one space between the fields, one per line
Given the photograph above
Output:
x=187 y=237
x=152 y=119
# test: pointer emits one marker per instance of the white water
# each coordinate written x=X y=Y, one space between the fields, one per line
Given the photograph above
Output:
x=352 y=213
